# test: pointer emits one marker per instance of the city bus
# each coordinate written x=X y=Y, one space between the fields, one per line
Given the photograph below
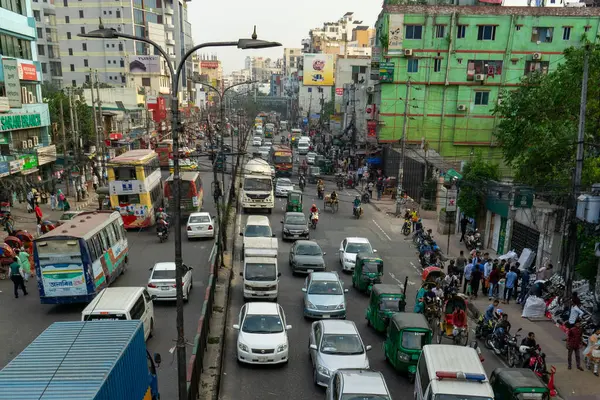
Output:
x=281 y=158
x=165 y=152
x=192 y=193
x=135 y=187
x=77 y=260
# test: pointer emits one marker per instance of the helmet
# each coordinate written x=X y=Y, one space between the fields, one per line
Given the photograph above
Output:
x=314 y=206
x=499 y=311
x=160 y=210
x=501 y=331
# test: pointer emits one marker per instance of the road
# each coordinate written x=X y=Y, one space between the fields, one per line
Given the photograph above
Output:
x=295 y=381
x=23 y=319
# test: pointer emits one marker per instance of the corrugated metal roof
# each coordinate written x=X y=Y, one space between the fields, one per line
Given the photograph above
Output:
x=69 y=360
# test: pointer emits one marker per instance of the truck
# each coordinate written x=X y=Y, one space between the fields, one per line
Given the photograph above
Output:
x=84 y=360
x=261 y=273
x=257 y=188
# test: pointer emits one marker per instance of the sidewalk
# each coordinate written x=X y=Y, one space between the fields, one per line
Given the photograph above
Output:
x=570 y=384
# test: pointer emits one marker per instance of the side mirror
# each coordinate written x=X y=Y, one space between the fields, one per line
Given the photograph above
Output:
x=278 y=274
x=288 y=327
x=157 y=358
x=345 y=290
x=236 y=327
x=313 y=347
x=241 y=274
x=368 y=347
x=273 y=235
x=282 y=222
x=519 y=330
x=150 y=269
x=241 y=233
x=190 y=268
x=304 y=289
x=374 y=251
x=214 y=217
x=324 y=253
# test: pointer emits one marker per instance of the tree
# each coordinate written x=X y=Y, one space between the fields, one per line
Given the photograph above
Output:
x=476 y=174
x=539 y=122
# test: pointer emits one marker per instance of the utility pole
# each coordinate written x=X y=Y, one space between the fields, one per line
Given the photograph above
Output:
x=65 y=147
x=400 y=188
x=74 y=127
x=102 y=145
x=572 y=245
x=99 y=166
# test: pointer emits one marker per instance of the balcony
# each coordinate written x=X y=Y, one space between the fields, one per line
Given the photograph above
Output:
x=168 y=10
x=173 y=56
x=171 y=42
x=170 y=26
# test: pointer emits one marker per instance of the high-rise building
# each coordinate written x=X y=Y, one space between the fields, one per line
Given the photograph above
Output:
x=44 y=13
x=26 y=149
x=292 y=58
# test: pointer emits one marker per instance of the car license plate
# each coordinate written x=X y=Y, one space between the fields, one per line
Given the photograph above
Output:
x=164 y=288
x=326 y=315
x=262 y=359
x=160 y=234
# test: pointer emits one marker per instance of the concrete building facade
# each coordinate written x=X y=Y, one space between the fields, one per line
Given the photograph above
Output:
x=44 y=14
x=292 y=59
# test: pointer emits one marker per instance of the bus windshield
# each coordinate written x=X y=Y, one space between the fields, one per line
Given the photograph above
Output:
x=258 y=184
x=282 y=159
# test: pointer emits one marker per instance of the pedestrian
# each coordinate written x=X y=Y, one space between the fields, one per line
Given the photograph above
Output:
x=591 y=354
x=468 y=272
x=575 y=313
x=66 y=205
x=38 y=213
x=25 y=264
x=379 y=188
x=16 y=276
x=493 y=286
x=30 y=196
x=525 y=278
x=511 y=278
x=96 y=182
x=487 y=268
x=476 y=276
x=574 y=344
x=61 y=199
x=461 y=262
x=463 y=227
x=53 y=200
x=370 y=189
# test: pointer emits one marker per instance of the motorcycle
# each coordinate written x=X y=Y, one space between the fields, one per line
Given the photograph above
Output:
x=537 y=363
x=406 y=227
x=365 y=198
x=483 y=329
x=473 y=240
x=162 y=231
x=340 y=184
x=357 y=212
x=512 y=351
x=320 y=192
x=302 y=184
x=314 y=218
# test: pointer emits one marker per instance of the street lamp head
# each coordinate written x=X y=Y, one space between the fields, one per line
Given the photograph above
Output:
x=246 y=44
x=103 y=33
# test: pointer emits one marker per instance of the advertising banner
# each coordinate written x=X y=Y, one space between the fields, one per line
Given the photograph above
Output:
x=451 y=199
x=12 y=122
x=12 y=86
x=386 y=72
x=27 y=72
x=4 y=169
x=339 y=91
x=144 y=64
x=15 y=166
x=30 y=161
x=318 y=70
x=209 y=64
x=396 y=33
x=46 y=154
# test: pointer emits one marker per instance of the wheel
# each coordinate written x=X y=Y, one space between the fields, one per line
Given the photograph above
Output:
x=151 y=328
x=186 y=297
x=315 y=380
x=511 y=358
x=270 y=211
x=488 y=341
x=411 y=378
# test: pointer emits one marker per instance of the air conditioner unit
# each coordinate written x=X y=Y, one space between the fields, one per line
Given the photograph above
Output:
x=536 y=56
x=370 y=89
x=408 y=52
x=29 y=143
x=35 y=141
x=24 y=144
x=462 y=107
x=480 y=77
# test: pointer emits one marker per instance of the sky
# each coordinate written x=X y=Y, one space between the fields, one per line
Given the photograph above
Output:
x=284 y=21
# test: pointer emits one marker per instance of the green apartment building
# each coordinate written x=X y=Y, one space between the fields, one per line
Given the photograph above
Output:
x=458 y=60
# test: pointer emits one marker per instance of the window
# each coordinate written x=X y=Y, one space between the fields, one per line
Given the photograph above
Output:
x=40 y=33
x=84 y=46
x=11 y=46
x=67 y=19
x=146 y=82
x=437 y=65
x=73 y=82
x=489 y=68
x=540 y=67
x=518 y=27
x=486 y=32
x=16 y=6
x=80 y=13
x=44 y=68
x=72 y=67
x=122 y=78
x=566 y=32
x=122 y=63
x=66 y=3
x=542 y=34
x=120 y=46
x=439 y=31
x=413 y=31
x=107 y=45
x=41 y=50
x=36 y=15
x=118 y=12
x=413 y=65
x=587 y=28
x=423 y=374
x=461 y=31
x=482 y=98
x=82 y=29
x=70 y=52
x=85 y=63
x=68 y=35
x=138 y=309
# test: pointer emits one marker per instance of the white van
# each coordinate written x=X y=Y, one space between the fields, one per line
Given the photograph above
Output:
x=303 y=146
x=451 y=372
x=256 y=226
x=122 y=303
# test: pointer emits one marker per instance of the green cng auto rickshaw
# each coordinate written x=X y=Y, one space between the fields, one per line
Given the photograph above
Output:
x=406 y=336
x=314 y=173
x=385 y=301
x=368 y=271
x=518 y=384
x=294 y=201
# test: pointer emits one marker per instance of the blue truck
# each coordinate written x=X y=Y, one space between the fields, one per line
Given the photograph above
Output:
x=91 y=360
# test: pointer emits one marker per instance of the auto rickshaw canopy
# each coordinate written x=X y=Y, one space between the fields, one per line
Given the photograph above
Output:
x=382 y=289
x=410 y=321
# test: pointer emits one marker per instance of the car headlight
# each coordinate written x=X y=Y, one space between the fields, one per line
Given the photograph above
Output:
x=403 y=357
x=349 y=260
x=243 y=347
x=309 y=305
x=340 y=306
x=322 y=370
x=286 y=230
x=282 y=347
x=306 y=231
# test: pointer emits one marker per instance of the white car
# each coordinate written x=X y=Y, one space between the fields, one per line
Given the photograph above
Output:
x=310 y=158
x=257 y=141
x=162 y=281
x=350 y=247
x=264 y=152
x=262 y=334
x=200 y=225
x=283 y=187
x=268 y=143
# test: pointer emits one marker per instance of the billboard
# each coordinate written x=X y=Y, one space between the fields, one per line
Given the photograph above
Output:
x=318 y=70
x=144 y=64
x=209 y=64
x=27 y=72
x=12 y=85
x=396 y=34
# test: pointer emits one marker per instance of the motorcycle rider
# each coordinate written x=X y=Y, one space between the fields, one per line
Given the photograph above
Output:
x=529 y=342
x=301 y=181
x=320 y=188
x=502 y=330
x=304 y=166
x=459 y=319
x=162 y=223
x=490 y=312
x=355 y=205
x=333 y=196
x=313 y=210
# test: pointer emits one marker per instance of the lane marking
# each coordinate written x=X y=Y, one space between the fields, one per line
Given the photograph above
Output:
x=400 y=283
x=381 y=229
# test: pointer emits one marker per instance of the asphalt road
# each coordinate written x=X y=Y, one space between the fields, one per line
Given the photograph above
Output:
x=294 y=381
x=23 y=319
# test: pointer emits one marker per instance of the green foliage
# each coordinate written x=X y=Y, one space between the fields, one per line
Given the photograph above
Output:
x=473 y=186
x=587 y=262
x=539 y=123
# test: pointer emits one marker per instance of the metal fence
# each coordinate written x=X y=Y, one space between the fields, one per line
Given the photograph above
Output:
x=195 y=365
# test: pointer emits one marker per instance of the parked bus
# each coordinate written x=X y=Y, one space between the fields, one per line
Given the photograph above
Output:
x=165 y=152
x=135 y=187
x=77 y=260
x=192 y=193
x=281 y=158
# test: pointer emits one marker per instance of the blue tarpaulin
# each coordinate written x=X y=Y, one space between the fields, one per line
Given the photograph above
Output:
x=374 y=160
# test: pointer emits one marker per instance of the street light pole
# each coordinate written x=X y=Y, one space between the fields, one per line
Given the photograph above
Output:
x=253 y=43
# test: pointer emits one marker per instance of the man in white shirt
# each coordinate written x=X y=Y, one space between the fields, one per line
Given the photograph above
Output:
x=487 y=269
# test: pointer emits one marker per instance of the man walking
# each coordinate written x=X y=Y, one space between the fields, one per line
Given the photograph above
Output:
x=574 y=344
x=16 y=275
x=511 y=279
x=463 y=227
x=38 y=213
x=461 y=262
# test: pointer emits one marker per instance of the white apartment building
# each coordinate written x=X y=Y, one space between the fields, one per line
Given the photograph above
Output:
x=44 y=14
x=292 y=59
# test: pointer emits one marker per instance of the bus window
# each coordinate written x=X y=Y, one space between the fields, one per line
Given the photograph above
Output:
x=124 y=174
x=117 y=230
x=110 y=231
x=104 y=240
x=129 y=199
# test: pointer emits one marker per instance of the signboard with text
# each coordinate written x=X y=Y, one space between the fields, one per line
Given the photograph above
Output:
x=451 y=200
x=209 y=64
x=386 y=72
x=27 y=72
x=12 y=86
x=4 y=169
x=11 y=122
x=144 y=64
x=4 y=106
